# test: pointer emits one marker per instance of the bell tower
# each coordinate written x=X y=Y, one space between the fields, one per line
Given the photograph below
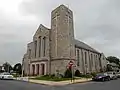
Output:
x=62 y=48
x=62 y=33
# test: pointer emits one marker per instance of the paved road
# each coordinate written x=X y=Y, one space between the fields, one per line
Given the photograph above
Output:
x=18 y=85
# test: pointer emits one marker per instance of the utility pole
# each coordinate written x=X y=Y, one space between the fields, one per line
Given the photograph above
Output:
x=73 y=73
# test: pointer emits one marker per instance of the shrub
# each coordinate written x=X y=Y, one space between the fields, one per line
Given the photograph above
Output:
x=88 y=76
x=45 y=75
x=77 y=73
x=68 y=73
x=59 y=75
x=16 y=75
x=53 y=75
x=93 y=74
x=85 y=75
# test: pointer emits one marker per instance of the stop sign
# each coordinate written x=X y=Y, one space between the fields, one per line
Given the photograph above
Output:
x=70 y=63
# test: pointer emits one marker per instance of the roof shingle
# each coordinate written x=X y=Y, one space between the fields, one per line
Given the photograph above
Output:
x=84 y=46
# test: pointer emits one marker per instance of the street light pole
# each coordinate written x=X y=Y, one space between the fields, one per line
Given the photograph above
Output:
x=73 y=73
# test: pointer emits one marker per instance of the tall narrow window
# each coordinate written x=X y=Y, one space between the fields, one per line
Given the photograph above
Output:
x=85 y=58
x=29 y=51
x=100 y=63
x=33 y=70
x=78 y=58
x=95 y=60
x=44 y=46
x=83 y=64
x=91 y=60
x=39 y=46
x=75 y=51
x=35 y=48
x=37 y=69
x=86 y=66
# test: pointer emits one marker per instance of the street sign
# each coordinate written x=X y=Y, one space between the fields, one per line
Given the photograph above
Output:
x=70 y=64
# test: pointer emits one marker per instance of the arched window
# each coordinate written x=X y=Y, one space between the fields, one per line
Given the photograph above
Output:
x=33 y=69
x=85 y=58
x=39 y=46
x=37 y=69
x=29 y=51
x=78 y=58
x=44 y=46
x=42 y=69
x=95 y=61
x=91 y=60
x=35 y=48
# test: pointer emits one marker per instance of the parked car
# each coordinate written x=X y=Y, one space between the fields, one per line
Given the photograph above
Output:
x=118 y=74
x=101 y=77
x=112 y=75
x=6 y=75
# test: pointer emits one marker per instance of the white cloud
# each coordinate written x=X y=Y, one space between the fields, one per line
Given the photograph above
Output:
x=96 y=22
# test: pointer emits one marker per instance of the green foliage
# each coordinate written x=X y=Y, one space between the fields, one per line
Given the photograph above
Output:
x=113 y=59
x=18 y=68
x=50 y=78
x=77 y=73
x=109 y=68
x=68 y=73
x=15 y=74
x=93 y=74
x=86 y=75
x=7 y=67
x=119 y=67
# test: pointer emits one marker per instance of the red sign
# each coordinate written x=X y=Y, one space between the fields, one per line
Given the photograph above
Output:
x=70 y=64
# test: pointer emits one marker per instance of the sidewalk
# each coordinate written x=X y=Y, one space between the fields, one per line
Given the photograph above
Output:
x=53 y=83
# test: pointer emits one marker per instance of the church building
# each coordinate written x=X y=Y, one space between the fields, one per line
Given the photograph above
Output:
x=54 y=49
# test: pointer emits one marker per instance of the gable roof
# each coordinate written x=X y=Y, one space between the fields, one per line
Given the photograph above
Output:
x=84 y=46
x=41 y=27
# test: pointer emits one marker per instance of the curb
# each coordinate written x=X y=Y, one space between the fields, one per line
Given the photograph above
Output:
x=61 y=84
x=38 y=83
x=81 y=82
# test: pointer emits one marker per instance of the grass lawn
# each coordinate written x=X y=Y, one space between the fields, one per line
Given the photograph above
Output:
x=47 y=78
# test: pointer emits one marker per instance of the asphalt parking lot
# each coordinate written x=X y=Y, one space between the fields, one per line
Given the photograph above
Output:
x=19 y=85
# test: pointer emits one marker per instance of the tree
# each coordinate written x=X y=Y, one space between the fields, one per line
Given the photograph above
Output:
x=7 y=67
x=113 y=59
x=18 y=68
x=68 y=73
x=109 y=68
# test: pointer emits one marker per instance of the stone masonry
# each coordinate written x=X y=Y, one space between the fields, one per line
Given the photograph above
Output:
x=53 y=49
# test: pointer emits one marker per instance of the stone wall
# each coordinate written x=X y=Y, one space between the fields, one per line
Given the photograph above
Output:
x=62 y=33
x=41 y=33
x=59 y=66
x=91 y=64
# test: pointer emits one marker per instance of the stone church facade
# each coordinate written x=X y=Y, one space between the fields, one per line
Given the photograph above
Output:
x=52 y=49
